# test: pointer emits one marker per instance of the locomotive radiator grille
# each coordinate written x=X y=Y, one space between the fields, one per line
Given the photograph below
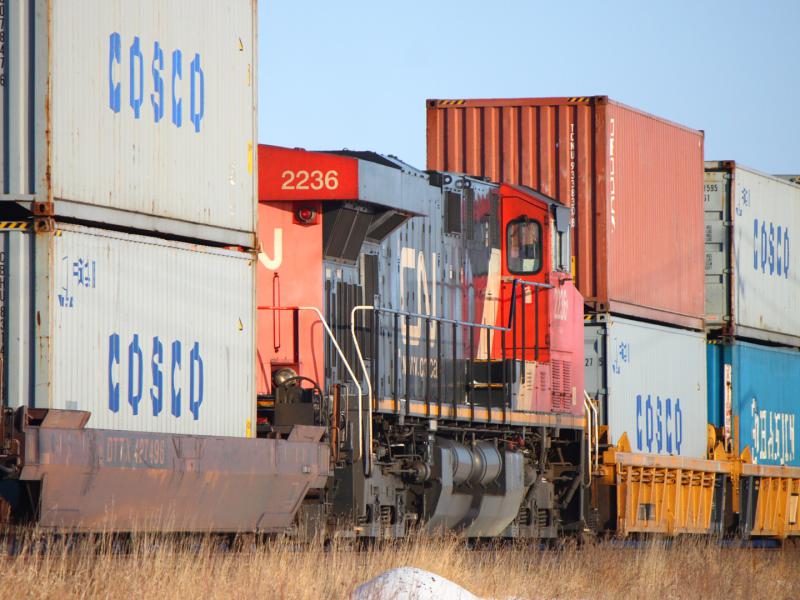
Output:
x=561 y=383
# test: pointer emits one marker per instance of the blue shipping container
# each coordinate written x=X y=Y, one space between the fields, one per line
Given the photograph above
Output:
x=763 y=385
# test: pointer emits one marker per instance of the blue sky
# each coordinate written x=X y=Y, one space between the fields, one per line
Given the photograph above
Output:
x=356 y=73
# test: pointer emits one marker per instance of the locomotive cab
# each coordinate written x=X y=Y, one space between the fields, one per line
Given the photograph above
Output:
x=429 y=321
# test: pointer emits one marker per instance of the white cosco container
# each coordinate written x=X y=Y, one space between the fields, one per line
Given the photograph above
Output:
x=752 y=266
x=650 y=381
x=146 y=334
x=140 y=114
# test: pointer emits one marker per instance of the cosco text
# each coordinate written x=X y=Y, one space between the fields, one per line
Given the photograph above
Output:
x=164 y=359
x=659 y=420
x=771 y=248
x=166 y=75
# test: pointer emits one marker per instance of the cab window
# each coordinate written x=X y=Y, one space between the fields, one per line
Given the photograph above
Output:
x=524 y=246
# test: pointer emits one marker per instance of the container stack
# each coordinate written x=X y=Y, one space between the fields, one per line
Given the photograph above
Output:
x=633 y=182
x=752 y=290
x=128 y=213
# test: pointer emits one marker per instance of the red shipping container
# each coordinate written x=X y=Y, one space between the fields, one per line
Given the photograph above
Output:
x=634 y=183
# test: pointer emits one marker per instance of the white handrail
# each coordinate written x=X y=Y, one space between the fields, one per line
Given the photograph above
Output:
x=341 y=355
x=593 y=408
x=368 y=456
x=589 y=430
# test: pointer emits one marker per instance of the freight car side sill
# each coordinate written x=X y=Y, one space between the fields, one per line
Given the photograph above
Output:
x=96 y=480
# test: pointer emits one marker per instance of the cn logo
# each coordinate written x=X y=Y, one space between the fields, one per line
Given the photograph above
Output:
x=412 y=263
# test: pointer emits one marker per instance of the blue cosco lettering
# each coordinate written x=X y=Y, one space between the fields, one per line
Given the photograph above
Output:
x=786 y=252
x=771 y=248
x=157 y=391
x=114 y=56
x=196 y=74
x=755 y=244
x=668 y=429
x=157 y=97
x=157 y=385
x=771 y=257
x=135 y=356
x=113 y=386
x=177 y=73
x=159 y=63
x=678 y=426
x=136 y=55
x=176 y=394
x=195 y=366
x=648 y=422
x=638 y=421
x=659 y=424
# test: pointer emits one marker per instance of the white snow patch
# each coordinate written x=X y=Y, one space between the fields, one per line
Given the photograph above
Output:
x=410 y=583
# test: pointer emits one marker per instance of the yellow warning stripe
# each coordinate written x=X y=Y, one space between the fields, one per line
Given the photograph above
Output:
x=580 y=99
x=18 y=225
x=451 y=102
x=481 y=413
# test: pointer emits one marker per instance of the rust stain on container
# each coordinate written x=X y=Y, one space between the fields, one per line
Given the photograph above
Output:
x=634 y=182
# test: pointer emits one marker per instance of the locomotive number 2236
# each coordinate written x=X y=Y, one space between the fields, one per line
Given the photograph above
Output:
x=313 y=180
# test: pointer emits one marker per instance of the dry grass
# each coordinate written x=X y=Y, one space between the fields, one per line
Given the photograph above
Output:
x=280 y=569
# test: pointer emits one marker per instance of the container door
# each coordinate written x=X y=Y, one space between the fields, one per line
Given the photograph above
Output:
x=526 y=255
x=716 y=202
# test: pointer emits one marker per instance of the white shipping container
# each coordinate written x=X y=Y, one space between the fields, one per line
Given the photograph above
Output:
x=752 y=287
x=146 y=334
x=140 y=114
x=651 y=384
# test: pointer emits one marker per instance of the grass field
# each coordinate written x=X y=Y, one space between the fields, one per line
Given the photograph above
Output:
x=280 y=569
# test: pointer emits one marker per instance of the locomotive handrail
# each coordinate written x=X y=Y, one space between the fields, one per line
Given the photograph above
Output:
x=407 y=314
x=367 y=457
x=341 y=355
x=528 y=283
x=434 y=318
x=593 y=407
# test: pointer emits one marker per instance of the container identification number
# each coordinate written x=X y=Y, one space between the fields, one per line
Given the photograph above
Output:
x=708 y=189
x=771 y=248
x=159 y=367
x=160 y=80
x=660 y=422
x=131 y=451
x=314 y=180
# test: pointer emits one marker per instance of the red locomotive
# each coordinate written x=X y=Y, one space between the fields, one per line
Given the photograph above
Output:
x=430 y=322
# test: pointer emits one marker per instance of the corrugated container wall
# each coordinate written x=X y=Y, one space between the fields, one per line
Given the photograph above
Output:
x=634 y=182
x=650 y=381
x=756 y=388
x=146 y=334
x=140 y=114
x=752 y=270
